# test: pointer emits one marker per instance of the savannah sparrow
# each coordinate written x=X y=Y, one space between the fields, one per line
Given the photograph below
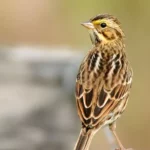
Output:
x=103 y=81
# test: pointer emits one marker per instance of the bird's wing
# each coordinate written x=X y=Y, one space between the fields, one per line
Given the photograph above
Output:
x=84 y=99
x=95 y=104
x=110 y=103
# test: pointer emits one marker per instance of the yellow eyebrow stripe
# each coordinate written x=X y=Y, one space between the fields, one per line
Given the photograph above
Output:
x=98 y=21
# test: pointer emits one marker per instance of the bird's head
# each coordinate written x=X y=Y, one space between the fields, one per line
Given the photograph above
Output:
x=104 y=29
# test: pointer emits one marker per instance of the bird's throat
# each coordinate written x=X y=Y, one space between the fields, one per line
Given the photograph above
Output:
x=95 y=39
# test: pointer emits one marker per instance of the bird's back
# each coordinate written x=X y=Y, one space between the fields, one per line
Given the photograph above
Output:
x=102 y=86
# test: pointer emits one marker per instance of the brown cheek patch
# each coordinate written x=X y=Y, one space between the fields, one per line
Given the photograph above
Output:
x=108 y=35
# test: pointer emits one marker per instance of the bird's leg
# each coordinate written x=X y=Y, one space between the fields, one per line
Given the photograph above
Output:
x=113 y=128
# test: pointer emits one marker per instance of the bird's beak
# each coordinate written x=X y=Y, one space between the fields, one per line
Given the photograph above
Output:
x=88 y=25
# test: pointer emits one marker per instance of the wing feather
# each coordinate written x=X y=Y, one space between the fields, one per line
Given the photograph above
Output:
x=84 y=102
x=95 y=101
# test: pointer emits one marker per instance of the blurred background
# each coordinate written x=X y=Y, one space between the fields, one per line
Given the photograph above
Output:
x=41 y=47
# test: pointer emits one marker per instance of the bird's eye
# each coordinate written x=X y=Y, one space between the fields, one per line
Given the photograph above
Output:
x=103 y=25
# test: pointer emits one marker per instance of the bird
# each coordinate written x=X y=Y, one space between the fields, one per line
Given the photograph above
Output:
x=103 y=81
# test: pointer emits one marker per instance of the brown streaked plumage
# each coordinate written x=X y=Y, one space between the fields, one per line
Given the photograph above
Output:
x=104 y=79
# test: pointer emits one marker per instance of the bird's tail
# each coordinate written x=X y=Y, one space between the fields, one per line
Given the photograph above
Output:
x=84 y=139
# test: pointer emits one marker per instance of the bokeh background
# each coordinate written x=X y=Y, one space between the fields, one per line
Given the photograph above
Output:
x=41 y=47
